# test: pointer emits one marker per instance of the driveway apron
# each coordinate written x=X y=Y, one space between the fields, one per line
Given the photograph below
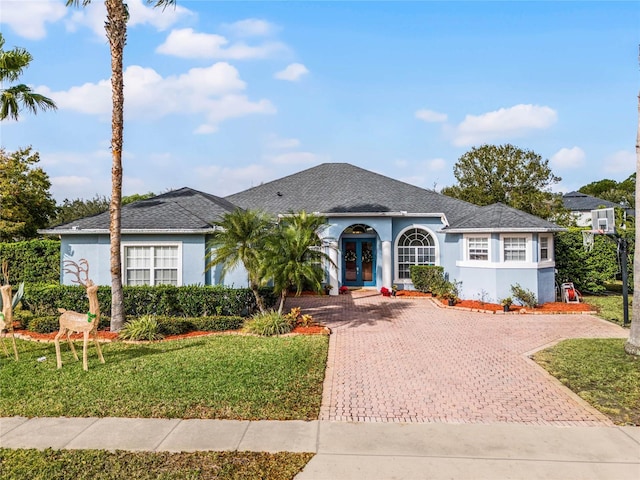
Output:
x=409 y=360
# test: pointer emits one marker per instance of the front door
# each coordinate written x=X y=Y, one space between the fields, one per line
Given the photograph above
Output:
x=358 y=257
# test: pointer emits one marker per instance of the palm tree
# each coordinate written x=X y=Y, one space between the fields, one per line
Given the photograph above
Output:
x=12 y=64
x=293 y=257
x=239 y=240
x=632 y=345
x=116 y=29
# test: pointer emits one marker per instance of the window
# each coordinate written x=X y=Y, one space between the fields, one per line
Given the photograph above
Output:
x=515 y=249
x=415 y=247
x=546 y=248
x=478 y=248
x=151 y=265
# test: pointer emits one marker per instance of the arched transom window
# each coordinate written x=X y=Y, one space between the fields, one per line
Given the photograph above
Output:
x=415 y=247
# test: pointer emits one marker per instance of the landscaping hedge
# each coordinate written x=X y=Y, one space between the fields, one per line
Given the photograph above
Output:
x=427 y=278
x=189 y=301
x=32 y=261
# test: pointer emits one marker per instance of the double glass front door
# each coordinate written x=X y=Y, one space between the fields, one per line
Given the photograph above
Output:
x=358 y=267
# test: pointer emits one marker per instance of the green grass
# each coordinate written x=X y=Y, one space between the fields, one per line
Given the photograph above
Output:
x=229 y=376
x=609 y=307
x=102 y=465
x=600 y=372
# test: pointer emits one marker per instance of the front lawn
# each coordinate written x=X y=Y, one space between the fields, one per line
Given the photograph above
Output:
x=102 y=465
x=225 y=377
x=600 y=372
x=609 y=307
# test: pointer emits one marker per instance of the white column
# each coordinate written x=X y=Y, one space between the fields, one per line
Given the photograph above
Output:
x=387 y=274
x=333 y=269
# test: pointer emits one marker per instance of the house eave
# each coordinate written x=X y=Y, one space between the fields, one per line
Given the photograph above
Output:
x=503 y=230
x=400 y=214
x=127 y=231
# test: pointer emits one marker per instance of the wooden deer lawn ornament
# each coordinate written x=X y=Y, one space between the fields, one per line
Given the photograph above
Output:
x=74 y=322
x=7 y=304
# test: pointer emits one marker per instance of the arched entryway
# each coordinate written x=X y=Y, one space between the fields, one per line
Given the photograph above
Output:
x=359 y=255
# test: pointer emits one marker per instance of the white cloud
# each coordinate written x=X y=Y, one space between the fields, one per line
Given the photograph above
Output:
x=251 y=27
x=186 y=43
x=436 y=164
x=567 y=158
x=504 y=123
x=277 y=143
x=292 y=73
x=27 y=19
x=213 y=92
x=431 y=116
x=222 y=181
x=620 y=162
x=93 y=16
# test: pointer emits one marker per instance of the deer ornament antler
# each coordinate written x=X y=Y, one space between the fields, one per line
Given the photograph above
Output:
x=74 y=322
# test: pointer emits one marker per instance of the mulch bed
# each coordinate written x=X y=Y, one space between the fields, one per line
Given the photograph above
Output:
x=551 y=307
x=107 y=336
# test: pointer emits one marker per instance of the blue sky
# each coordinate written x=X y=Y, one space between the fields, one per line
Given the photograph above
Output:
x=222 y=96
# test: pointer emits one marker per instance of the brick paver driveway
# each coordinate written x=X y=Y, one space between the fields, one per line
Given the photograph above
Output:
x=408 y=360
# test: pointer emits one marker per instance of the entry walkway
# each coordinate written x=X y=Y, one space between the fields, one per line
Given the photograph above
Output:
x=409 y=360
x=360 y=450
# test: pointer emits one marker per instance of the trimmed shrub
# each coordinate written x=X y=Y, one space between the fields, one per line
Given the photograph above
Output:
x=174 y=325
x=217 y=324
x=427 y=278
x=32 y=261
x=166 y=300
x=43 y=324
x=143 y=328
x=268 y=324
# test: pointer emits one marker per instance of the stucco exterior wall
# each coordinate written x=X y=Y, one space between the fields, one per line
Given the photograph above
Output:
x=96 y=250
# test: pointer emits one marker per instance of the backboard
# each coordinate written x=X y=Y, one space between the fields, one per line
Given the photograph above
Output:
x=603 y=221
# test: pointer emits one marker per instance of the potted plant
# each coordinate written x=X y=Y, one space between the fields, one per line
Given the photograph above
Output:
x=327 y=289
x=506 y=303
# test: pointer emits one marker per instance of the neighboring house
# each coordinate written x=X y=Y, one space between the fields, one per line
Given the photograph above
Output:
x=377 y=228
x=581 y=204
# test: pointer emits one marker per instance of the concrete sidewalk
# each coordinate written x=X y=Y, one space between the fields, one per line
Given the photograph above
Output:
x=361 y=450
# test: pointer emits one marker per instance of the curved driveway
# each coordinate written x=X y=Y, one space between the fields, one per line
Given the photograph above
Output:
x=409 y=360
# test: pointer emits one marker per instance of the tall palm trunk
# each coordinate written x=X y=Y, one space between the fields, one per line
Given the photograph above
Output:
x=116 y=28
x=632 y=346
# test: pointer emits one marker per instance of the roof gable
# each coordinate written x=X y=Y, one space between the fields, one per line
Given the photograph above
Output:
x=344 y=188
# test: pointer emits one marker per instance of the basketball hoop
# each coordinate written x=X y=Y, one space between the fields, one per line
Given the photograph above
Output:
x=587 y=240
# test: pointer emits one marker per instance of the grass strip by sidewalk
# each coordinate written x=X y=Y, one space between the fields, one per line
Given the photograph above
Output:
x=30 y=464
x=600 y=372
x=226 y=377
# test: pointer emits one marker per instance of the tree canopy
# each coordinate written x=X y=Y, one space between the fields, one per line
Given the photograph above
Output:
x=26 y=202
x=504 y=173
x=12 y=64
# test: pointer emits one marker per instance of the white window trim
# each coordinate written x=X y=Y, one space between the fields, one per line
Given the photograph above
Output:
x=528 y=248
x=465 y=254
x=124 y=246
x=550 y=246
x=407 y=281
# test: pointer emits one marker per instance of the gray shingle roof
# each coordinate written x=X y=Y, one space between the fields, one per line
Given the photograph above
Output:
x=581 y=202
x=344 y=188
x=182 y=209
x=499 y=217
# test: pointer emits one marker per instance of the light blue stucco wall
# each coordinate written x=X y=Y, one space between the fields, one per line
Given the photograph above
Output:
x=96 y=250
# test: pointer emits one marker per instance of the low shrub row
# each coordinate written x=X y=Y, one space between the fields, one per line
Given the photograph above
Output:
x=166 y=300
x=427 y=278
